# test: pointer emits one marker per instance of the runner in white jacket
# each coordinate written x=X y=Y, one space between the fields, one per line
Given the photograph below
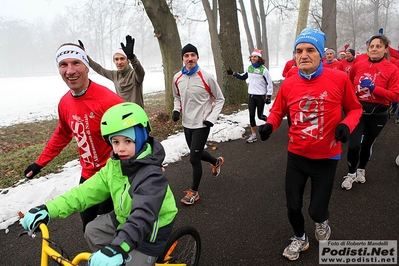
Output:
x=198 y=97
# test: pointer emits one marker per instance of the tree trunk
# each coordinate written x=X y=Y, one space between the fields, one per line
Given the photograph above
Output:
x=376 y=22
x=212 y=15
x=329 y=23
x=234 y=90
x=165 y=30
x=265 y=45
x=255 y=19
x=246 y=27
x=302 y=16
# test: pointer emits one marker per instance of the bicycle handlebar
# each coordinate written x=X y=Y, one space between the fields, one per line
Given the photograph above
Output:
x=48 y=251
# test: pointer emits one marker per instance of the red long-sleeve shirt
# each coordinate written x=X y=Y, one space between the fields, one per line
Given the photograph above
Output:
x=290 y=64
x=384 y=75
x=80 y=117
x=315 y=109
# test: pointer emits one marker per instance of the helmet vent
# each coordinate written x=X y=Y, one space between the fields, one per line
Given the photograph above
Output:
x=126 y=115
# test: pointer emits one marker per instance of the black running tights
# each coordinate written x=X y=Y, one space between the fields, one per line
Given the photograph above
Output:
x=359 y=151
x=256 y=103
x=196 y=140
x=321 y=173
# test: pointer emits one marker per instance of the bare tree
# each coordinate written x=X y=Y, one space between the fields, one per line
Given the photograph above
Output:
x=356 y=28
x=329 y=22
x=212 y=16
x=377 y=5
x=234 y=90
x=246 y=25
x=302 y=16
x=105 y=19
x=166 y=31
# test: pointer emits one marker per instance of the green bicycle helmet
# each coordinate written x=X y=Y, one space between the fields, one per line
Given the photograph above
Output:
x=123 y=116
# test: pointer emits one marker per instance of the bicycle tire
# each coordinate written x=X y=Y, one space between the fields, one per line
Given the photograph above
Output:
x=183 y=246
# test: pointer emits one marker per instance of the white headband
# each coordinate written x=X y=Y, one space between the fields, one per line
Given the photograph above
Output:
x=71 y=51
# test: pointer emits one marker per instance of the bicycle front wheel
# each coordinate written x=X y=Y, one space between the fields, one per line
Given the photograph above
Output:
x=183 y=247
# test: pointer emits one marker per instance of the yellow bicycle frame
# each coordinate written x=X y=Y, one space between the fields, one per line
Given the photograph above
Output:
x=48 y=251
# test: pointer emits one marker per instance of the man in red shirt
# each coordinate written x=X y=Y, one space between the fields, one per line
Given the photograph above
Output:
x=290 y=64
x=331 y=61
x=80 y=111
x=314 y=100
x=347 y=63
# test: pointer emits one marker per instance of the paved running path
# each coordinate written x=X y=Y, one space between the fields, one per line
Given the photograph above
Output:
x=241 y=215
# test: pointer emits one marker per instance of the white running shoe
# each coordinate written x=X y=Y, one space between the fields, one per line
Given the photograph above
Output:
x=297 y=245
x=251 y=139
x=349 y=179
x=360 y=176
x=323 y=231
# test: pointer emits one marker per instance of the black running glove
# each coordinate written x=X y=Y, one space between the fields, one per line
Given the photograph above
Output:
x=342 y=133
x=81 y=44
x=268 y=99
x=35 y=168
x=128 y=49
x=265 y=131
x=208 y=124
x=175 y=116
x=229 y=71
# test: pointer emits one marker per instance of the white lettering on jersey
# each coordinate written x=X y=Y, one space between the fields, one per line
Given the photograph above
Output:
x=79 y=130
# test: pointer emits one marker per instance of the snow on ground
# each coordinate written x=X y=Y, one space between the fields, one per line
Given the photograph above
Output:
x=36 y=98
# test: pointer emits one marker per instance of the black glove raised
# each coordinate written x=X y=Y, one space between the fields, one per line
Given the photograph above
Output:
x=34 y=168
x=268 y=99
x=81 y=44
x=229 y=71
x=128 y=49
x=265 y=131
x=175 y=116
x=208 y=123
x=342 y=133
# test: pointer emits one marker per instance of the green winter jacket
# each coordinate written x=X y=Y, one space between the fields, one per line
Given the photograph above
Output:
x=143 y=201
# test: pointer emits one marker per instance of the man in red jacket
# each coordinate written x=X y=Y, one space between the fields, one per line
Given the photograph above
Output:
x=80 y=111
x=314 y=100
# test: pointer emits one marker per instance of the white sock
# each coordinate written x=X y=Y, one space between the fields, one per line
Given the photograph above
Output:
x=301 y=237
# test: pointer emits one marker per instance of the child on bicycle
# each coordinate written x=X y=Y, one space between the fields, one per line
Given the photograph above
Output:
x=138 y=228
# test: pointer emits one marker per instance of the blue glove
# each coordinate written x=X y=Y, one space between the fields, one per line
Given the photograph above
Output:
x=368 y=83
x=109 y=256
x=381 y=31
x=35 y=216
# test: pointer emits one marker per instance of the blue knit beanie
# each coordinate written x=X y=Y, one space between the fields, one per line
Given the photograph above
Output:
x=128 y=132
x=312 y=36
x=138 y=134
